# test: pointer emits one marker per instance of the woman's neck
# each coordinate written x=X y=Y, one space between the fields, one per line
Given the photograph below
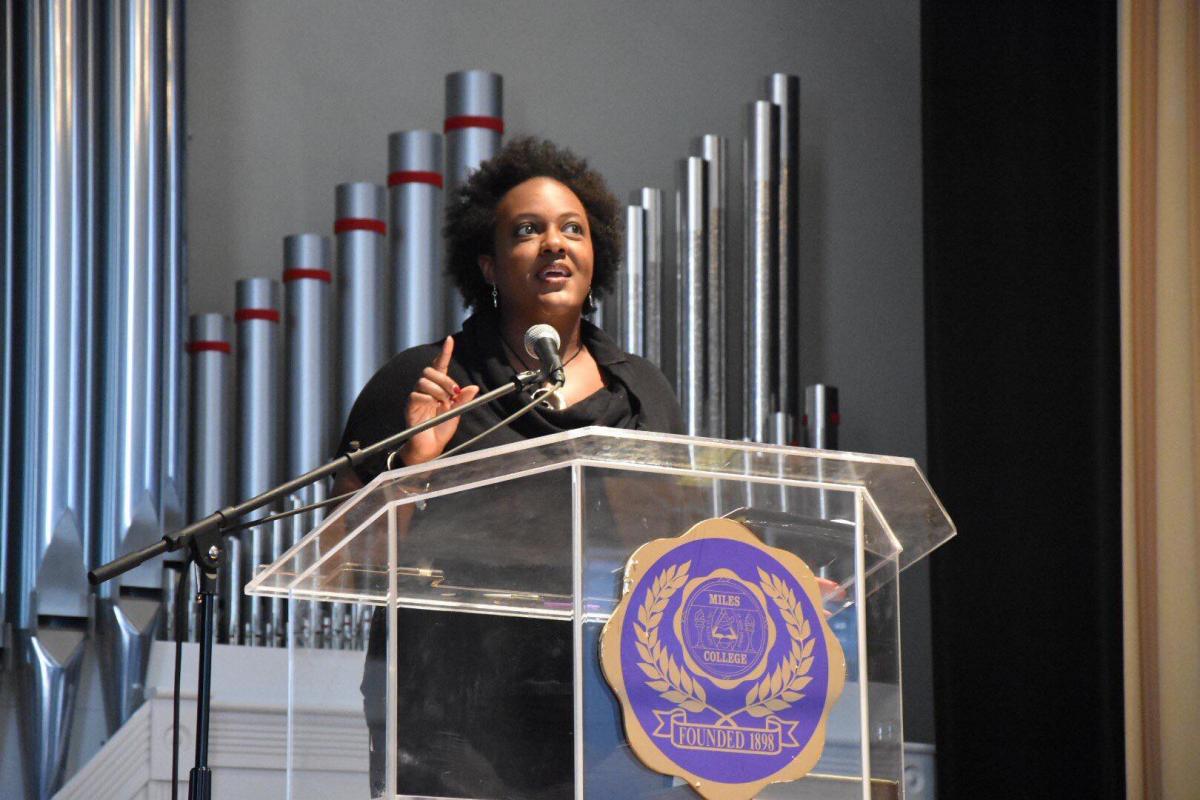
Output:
x=569 y=332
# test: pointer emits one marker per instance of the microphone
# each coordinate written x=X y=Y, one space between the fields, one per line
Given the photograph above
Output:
x=542 y=342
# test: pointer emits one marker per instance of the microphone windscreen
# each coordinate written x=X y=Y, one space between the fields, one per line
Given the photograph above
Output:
x=540 y=331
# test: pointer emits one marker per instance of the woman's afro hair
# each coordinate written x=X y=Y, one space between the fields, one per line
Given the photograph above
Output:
x=471 y=215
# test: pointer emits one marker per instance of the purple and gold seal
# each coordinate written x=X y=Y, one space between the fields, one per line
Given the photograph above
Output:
x=721 y=657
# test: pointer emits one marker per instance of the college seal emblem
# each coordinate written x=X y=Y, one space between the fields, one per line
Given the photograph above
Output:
x=721 y=657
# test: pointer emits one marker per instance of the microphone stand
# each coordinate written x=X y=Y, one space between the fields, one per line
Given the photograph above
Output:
x=204 y=545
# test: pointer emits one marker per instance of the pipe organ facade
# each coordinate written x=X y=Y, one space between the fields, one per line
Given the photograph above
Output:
x=173 y=425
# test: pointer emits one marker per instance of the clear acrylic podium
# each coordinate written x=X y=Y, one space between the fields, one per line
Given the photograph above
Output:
x=543 y=530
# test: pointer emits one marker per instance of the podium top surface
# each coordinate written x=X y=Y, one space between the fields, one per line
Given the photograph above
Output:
x=891 y=489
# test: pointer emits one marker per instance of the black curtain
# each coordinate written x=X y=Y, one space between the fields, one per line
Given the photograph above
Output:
x=1022 y=356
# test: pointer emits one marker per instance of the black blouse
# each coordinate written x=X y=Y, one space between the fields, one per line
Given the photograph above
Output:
x=635 y=396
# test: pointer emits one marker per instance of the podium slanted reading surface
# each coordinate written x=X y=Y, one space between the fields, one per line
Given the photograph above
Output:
x=544 y=529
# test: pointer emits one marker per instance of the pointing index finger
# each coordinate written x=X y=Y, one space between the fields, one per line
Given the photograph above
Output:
x=442 y=362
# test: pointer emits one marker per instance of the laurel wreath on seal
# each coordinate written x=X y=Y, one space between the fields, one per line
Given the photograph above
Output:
x=775 y=692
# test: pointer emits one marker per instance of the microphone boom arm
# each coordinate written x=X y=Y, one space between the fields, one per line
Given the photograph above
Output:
x=228 y=516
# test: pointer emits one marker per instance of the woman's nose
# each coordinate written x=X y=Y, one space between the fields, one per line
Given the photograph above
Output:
x=552 y=241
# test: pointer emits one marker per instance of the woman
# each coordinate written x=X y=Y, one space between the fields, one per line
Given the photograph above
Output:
x=533 y=238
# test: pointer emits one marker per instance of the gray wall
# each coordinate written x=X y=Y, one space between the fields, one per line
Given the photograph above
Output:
x=287 y=98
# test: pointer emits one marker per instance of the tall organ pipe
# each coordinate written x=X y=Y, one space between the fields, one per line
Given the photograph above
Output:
x=174 y=410
x=7 y=307
x=785 y=95
x=174 y=319
x=363 y=308
x=631 y=309
x=131 y=440
x=259 y=429
x=363 y=314
x=307 y=280
x=50 y=227
x=692 y=348
x=762 y=246
x=210 y=434
x=474 y=126
x=715 y=153
x=652 y=241
x=415 y=187
x=673 y=300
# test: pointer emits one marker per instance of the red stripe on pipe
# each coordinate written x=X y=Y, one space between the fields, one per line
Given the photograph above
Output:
x=208 y=346
x=298 y=274
x=415 y=176
x=247 y=314
x=458 y=123
x=360 y=224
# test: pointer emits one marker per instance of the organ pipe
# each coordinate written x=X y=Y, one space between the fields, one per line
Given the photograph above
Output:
x=131 y=439
x=631 y=304
x=51 y=226
x=821 y=416
x=715 y=154
x=474 y=126
x=363 y=314
x=415 y=187
x=362 y=288
x=693 y=325
x=210 y=436
x=7 y=307
x=652 y=260
x=307 y=280
x=259 y=433
x=174 y=320
x=761 y=210
x=673 y=301
x=785 y=95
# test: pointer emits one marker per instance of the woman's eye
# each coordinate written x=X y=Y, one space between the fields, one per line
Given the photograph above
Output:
x=573 y=227
x=525 y=229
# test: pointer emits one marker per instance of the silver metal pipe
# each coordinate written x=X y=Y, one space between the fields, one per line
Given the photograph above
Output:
x=307 y=280
x=362 y=288
x=785 y=95
x=821 y=417
x=48 y=515
x=415 y=182
x=47 y=680
x=715 y=152
x=474 y=127
x=259 y=430
x=8 y=276
x=131 y=440
x=821 y=421
x=210 y=451
x=673 y=302
x=762 y=246
x=632 y=310
x=692 y=350
x=652 y=298
x=173 y=500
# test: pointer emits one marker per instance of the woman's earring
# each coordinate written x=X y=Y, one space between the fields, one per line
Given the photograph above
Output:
x=495 y=297
x=591 y=304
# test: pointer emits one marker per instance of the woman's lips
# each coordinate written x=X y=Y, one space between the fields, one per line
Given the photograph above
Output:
x=554 y=274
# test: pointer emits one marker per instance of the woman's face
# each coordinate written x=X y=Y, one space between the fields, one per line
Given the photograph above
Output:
x=542 y=267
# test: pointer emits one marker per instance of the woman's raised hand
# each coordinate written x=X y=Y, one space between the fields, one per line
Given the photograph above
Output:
x=435 y=393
